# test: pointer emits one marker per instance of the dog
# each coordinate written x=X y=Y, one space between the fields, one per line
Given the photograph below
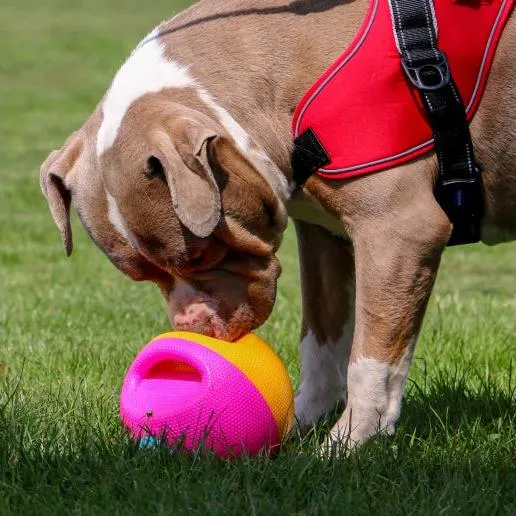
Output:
x=182 y=176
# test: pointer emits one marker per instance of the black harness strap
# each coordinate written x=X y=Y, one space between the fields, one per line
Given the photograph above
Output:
x=459 y=187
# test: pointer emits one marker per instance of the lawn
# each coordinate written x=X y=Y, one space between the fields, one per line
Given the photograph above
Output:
x=70 y=328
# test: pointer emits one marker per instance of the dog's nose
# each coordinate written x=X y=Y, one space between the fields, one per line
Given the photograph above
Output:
x=197 y=317
x=201 y=318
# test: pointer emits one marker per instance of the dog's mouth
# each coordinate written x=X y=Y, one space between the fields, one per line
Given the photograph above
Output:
x=214 y=329
x=202 y=318
x=227 y=307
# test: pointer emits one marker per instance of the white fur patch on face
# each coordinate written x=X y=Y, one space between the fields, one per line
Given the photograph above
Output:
x=258 y=158
x=397 y=379
x=229 y=123
x=117 y=220
x=146 y=70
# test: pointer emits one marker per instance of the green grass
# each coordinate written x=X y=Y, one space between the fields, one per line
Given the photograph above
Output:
x=69 y=329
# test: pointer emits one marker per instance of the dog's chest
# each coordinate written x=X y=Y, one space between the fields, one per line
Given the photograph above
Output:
x=304 y=207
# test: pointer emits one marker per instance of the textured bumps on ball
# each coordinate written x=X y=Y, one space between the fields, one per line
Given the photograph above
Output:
x=192 y=390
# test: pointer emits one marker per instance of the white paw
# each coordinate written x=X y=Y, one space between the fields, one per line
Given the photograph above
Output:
x=352 y=430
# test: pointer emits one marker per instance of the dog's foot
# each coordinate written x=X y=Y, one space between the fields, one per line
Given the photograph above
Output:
x=352 y=430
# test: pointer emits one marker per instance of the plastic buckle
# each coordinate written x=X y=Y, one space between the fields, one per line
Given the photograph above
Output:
x=429 y=76
x=462 y=201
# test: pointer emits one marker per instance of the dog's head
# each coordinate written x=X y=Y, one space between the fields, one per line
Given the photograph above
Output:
x=175 y=201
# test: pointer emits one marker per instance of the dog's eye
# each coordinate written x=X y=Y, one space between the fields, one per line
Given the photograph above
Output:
x=154 y=168
x=207 y=259
x=197 y=261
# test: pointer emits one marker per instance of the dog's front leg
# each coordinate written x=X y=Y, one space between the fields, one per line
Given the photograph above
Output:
x=397 y=254
x=328 y=289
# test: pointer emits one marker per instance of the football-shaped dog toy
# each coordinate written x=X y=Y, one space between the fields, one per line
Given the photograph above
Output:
x=192 y=390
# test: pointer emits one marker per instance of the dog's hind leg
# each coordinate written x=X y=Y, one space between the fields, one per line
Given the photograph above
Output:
x=328 y=289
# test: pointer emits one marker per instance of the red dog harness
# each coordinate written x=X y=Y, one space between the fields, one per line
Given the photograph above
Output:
x=366 y=114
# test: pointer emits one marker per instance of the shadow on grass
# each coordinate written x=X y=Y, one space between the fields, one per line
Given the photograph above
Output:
x=449 y=402
x=459 y=400
x=455 y=451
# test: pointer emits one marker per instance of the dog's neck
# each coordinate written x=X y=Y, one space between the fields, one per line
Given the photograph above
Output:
x=251 y=77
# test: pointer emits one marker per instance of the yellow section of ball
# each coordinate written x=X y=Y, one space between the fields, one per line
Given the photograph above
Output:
x=260 y=364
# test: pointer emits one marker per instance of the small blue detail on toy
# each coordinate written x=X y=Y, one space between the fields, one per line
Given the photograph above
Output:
x=148 y=442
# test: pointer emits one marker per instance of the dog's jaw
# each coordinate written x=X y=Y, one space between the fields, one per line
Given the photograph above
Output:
x=192 y=310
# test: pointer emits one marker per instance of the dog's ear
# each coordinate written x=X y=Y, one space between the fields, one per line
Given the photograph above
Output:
x=183 y=154
x=51 y=177
x=248 y=180
x=253 y=211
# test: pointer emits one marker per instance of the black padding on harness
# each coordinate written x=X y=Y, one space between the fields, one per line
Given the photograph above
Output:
x=459 y=187
x=308 y=156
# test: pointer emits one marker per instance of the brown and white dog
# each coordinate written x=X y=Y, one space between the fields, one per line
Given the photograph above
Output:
x=182 y=177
